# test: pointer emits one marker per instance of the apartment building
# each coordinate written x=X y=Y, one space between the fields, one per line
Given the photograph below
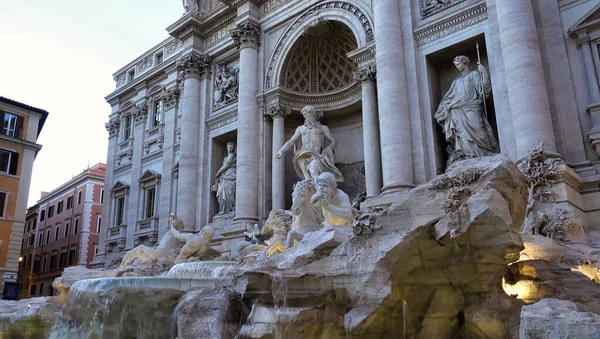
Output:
x=68 y=222
x=20 y=126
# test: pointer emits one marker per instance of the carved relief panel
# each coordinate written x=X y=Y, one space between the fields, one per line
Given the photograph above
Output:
x=431 y=7
x=226 y=83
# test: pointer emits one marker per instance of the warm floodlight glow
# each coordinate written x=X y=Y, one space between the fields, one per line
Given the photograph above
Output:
x=20 y=259
x=525 y=290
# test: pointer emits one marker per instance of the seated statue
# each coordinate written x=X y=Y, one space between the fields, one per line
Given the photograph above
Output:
x=167 y=247
x=196 y=245
x=337 y=209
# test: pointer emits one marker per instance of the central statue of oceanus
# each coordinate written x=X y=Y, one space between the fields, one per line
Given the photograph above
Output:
x=313 y=158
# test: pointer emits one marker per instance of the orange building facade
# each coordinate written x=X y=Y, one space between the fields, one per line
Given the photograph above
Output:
x=20 y=126
x=64 y=232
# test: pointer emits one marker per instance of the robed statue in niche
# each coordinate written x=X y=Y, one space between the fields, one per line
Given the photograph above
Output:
x=462 y=114
x=224 y=186
x=191 y=5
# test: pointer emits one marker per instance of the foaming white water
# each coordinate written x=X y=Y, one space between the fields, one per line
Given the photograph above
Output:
x=201 y=269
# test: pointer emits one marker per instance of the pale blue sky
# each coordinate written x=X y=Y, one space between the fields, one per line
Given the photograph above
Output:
x=60 y=55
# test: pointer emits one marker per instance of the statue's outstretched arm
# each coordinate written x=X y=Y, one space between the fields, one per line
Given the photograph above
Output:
x=178 y=235
x=294 y=139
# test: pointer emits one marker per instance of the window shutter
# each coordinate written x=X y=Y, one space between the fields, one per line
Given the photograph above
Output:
x=14 y=162
x=19 y=132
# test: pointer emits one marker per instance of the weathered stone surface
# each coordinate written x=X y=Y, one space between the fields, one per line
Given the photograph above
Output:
x=436 y=256
x=71 y=275
x=26 y=318
x=553 y=318
x=209 y=313
x=315 y=245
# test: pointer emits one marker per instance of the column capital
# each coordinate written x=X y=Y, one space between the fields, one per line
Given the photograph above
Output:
x=246 y=35
x=170 y=97
x=139 y=112
x=277 y=111
x=112 y=126
x=366 y=73
x=193 y=65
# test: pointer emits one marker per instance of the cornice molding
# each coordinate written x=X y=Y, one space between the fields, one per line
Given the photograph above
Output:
x=451 y=24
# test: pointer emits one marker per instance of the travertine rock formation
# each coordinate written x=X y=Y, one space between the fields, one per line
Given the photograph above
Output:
x=432 y=267
x=553 y=318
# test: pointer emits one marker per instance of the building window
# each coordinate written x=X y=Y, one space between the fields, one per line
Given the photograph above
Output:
x=72 y=256
x=48 y=236
x=127 y=128
x=67 y=226
x=156 y=112
x=79 y=198
x=9 y=161
x=34 y=224
x=40 y=239
x=56 y=232
x=50 y=211
x=44 y=263
x=59 y=208
x=158 y=58
x=99 y=223
x=32 y=290
x=36 y=265
x=102 y=196
x=149 y=204
x=3 y=203
x=95 y=250
x=76 y=228
x=53 y=261
x=31 y=240
x=29 y=260
x=11 y=124
x=120 y=211
x=42 y=215
x=70 y=202
x=63 y=259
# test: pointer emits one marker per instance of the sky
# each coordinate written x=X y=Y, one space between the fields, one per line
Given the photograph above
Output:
x=59 y=55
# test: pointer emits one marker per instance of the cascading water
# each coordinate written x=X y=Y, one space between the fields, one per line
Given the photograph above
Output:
x=132 y=307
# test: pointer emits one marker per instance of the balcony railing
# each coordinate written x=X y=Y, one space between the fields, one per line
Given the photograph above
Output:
x=146 y=228
x=125 y=146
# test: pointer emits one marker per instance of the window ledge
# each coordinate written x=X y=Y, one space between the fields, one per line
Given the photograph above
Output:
x=4 y=174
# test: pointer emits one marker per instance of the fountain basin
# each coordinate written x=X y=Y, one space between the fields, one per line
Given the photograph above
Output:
x=201 y=269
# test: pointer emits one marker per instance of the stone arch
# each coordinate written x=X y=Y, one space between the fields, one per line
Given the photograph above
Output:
x=354 y=16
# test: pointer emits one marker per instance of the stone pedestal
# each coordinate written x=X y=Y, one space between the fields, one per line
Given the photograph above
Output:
x=371 y=145
x=191 y=70
x=392 y=97
x=246 y=37
x=528 y=96
x=278 y=115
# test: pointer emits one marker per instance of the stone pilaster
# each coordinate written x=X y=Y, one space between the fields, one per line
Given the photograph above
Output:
x=192 y=68
x=246 y=37
x=278 y=114
x=392 y=98
x=371 y=144
x=527 y=93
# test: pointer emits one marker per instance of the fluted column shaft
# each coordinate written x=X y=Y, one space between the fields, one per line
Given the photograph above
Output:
x=588 y=61
x=392 y=98
x=278 y=115
x=371 y=143
x=246 y=37
x=191 y=68
x=528 y=96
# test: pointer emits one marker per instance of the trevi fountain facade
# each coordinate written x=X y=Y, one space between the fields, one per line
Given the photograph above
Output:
x=349 y=169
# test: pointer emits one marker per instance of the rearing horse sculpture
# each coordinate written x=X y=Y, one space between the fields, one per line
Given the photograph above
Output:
x=306 y=217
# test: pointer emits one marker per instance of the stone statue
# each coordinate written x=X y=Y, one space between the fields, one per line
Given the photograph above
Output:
x=224 y=186
x=226 y=85
x=337 y=209
x=191 y=6
x=196 y=245
x=461 y=114
x=312 y=158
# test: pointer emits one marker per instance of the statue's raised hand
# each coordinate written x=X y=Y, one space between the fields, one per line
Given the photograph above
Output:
x=278 y=155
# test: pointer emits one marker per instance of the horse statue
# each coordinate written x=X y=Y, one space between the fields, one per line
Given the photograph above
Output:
x=305 y=216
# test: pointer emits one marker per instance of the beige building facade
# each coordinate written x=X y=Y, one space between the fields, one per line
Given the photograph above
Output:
x=376 y=71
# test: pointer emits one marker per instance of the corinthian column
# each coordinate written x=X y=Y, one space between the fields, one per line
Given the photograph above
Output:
x=246 y=37
x=392 y=97
x=528 y=97
x=590 y=71
x=191 y=69
x=278 y=115
x=371 y=144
